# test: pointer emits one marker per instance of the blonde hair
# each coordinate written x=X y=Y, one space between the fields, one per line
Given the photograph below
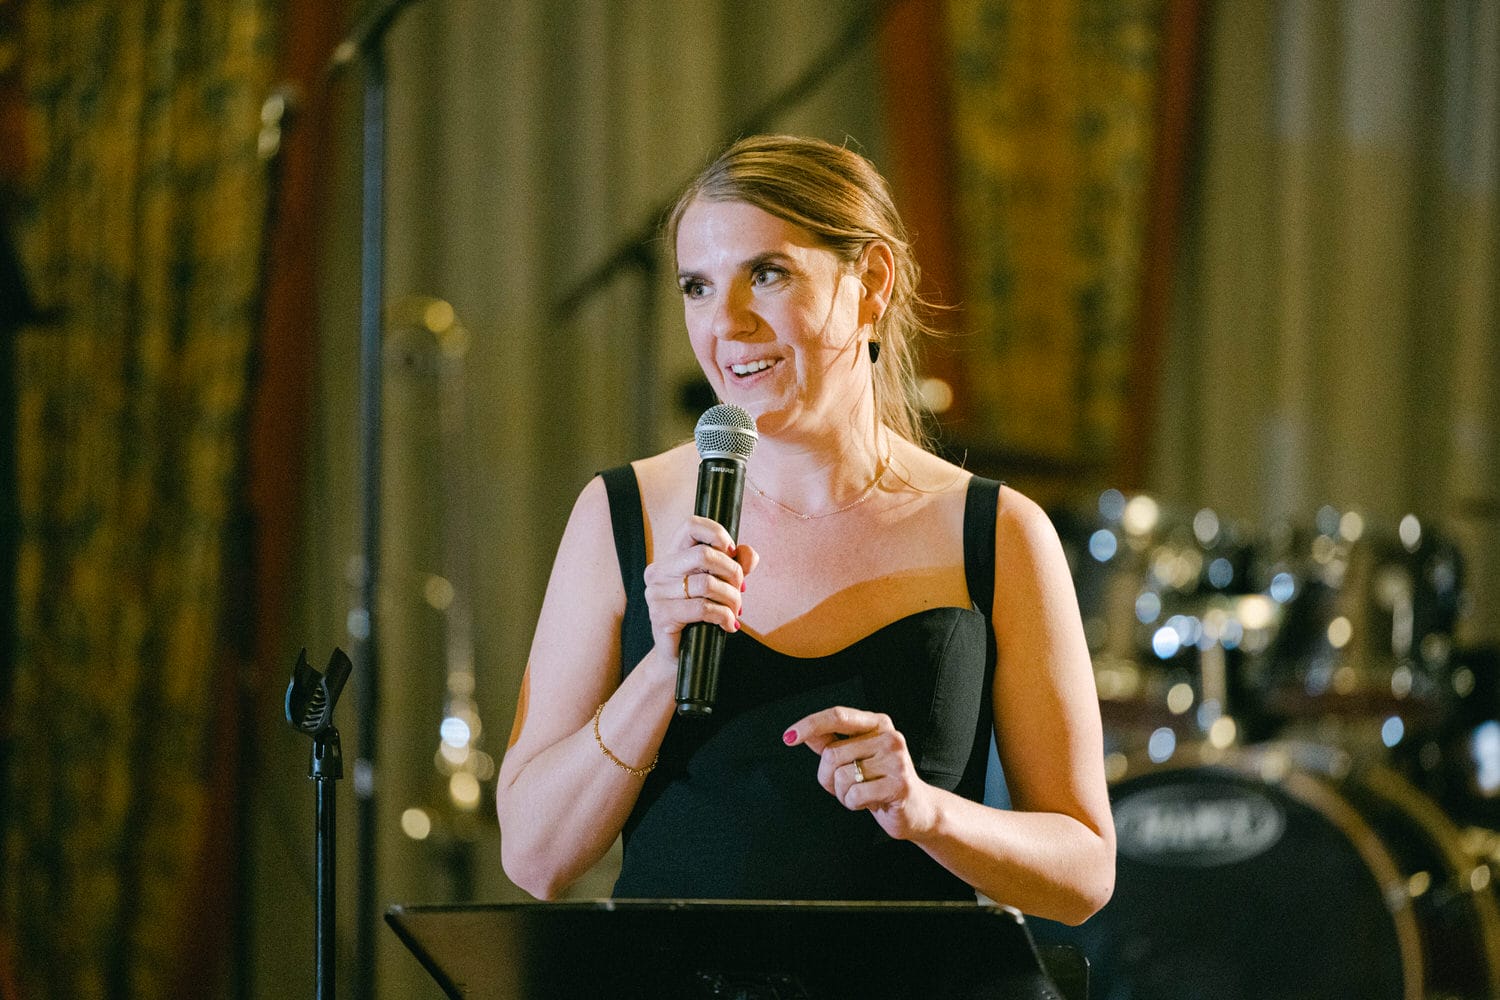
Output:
x=842 y=200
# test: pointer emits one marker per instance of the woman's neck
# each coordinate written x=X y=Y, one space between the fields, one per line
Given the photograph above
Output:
x=817 y=476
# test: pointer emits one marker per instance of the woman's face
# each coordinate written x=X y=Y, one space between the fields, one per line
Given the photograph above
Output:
x=774 y=318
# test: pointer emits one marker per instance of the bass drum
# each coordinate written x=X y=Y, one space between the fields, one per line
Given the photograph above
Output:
x=1286 y=872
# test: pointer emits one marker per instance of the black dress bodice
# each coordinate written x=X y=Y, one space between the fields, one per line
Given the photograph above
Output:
x=731 y=812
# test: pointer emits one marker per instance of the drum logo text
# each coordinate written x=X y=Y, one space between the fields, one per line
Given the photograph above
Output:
x=1197 y=826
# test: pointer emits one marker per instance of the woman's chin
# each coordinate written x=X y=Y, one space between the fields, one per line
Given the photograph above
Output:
x=772 y=411
x=758 y=405
x=770 y=420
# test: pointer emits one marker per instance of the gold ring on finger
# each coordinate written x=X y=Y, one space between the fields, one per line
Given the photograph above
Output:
x=859 y=772
x=685 y=593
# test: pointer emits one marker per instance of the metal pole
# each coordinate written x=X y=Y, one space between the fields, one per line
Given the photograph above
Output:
x=365 y=627
x=326 y=770
x=366 y=45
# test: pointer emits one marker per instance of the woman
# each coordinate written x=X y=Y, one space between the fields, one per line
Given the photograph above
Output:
x=886 y=610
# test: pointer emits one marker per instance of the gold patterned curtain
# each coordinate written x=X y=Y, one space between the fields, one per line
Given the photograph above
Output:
x=1054 y=108
x=144 y=235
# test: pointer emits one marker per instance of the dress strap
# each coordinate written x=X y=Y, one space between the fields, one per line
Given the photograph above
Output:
x=979 y=541
x=629 y=527
x=980 y=509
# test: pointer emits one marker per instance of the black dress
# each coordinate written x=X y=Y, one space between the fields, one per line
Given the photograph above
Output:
x=731 y=812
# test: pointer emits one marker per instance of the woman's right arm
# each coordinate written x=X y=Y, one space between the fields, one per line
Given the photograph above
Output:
x=561 y=801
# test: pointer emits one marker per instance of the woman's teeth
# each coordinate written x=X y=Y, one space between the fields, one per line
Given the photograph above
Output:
x=751 y=368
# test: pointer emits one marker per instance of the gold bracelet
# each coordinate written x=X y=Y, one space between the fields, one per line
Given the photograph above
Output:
x=637 y=772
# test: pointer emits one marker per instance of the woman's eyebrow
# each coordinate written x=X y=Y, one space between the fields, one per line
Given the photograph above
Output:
x=767 y=257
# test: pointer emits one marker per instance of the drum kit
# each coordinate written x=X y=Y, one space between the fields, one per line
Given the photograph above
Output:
x=1304 y=764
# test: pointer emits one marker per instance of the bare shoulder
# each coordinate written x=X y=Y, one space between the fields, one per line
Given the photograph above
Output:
x=1029 y=557
x=667 y=482
x=587 y=544
x=667 y=469
x=656 y=476
x=1020 y=520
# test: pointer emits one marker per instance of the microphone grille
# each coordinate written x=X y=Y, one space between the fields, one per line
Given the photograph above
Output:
x=725 y=431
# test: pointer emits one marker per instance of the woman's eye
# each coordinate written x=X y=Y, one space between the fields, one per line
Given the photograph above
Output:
x=691 y=288
x=768 y=274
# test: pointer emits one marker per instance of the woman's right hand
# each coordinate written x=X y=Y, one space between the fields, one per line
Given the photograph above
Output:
x=698 y=576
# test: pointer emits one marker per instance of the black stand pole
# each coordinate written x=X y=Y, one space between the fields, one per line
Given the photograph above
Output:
x=310 y=699
x=15 y=310
x=365 y=637
x=327 y=768
x=366 y=43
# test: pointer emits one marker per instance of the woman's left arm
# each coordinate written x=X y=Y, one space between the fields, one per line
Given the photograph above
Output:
x=1053 y=854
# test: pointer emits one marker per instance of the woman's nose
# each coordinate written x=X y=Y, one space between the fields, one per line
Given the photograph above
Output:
x=734 y=315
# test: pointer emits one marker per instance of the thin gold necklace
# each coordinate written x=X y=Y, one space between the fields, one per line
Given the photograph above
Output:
x=880 y=472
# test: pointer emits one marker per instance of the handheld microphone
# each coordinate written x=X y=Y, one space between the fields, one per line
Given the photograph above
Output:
x=725 y=436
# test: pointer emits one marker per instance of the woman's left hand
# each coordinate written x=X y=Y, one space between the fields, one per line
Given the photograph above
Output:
x=865 y=765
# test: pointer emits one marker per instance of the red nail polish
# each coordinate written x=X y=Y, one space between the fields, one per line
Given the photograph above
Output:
x=734 y=626
x=742 y=586
x=789 y=737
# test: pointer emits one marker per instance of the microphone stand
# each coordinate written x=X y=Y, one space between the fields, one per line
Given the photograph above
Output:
x=310 y=698
x=366 y=44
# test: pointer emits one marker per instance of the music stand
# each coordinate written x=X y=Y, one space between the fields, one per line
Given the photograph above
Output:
x=690 y=949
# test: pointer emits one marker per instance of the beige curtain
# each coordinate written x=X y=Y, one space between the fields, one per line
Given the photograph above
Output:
x=1336 y=334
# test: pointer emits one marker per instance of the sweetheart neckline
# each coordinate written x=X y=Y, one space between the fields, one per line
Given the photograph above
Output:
x=895 y=623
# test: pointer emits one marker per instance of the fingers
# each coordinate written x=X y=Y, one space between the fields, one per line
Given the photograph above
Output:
x=860 y=784
x=870 y=773
x=822 y=729
x=699 y=576
x=698 y=530
x=748 y=559
x=703 y=531
x=709 y=597
x=859 y=771
x=878 y=754
x=698 y=572
x=842 y=736
x=701 y=545
x=861 y=754
x=865 y=763
x=685 y=593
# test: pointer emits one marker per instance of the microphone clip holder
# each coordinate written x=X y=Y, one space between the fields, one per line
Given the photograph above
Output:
x=310 y=700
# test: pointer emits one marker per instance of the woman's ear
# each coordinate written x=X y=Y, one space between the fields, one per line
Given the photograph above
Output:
x=877 y=273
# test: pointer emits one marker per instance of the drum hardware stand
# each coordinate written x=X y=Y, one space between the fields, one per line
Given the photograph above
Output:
x=460 y=763
x=1213 y=681
x=310 y=698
